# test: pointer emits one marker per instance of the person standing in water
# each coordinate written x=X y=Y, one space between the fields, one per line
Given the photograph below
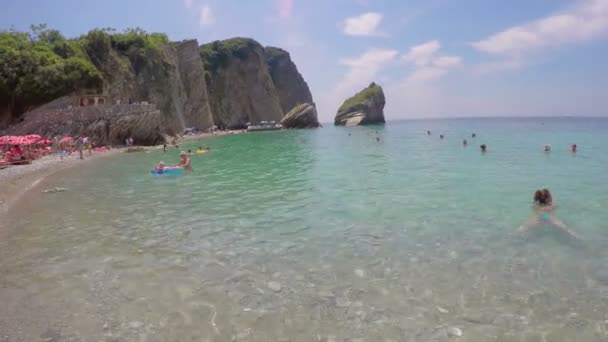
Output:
x=573 y=148
x=483 y=148
x=543 y=213
x=441 y=136
x=428 y=132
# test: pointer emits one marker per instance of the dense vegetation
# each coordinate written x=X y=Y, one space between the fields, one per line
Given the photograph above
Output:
x=274 y=54
x=361 y=97
x=42 y=64
x=215 y=55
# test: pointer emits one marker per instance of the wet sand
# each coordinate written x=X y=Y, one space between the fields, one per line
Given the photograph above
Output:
x=15 y=181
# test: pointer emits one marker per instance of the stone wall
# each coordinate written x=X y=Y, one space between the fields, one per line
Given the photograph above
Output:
x=109 y=124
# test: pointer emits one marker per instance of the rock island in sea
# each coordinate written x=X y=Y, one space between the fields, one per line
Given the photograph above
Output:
x=364 y=108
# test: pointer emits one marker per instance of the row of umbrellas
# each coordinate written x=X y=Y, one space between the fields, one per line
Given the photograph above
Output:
x=32 y=139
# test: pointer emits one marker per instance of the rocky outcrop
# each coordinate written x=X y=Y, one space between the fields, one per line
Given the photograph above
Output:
x=291 y=88
x=239 y=84
x=364 y=108
x=110 y=124
x=301 y=116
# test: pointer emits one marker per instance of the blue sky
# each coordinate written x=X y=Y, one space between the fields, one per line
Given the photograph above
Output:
x=434 y=58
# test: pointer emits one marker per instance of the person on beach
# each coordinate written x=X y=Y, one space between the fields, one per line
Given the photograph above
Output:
x=483 y=147
x=185 y=162
x=543 y=213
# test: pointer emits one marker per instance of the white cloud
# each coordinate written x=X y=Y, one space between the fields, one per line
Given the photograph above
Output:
x=426 y=74
x=586 y=20
x=366 y=24
x=422 y=54
x=206 y=17
x=428 y=64
x=447 y=61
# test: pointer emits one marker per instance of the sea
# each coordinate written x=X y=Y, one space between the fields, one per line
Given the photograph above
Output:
x=375 y=233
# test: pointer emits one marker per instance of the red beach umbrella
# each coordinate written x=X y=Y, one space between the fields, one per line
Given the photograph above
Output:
x=4 y=140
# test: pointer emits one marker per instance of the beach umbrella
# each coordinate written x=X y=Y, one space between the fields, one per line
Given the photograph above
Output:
x=4 y=140
x=66 y=139
x=44 y=142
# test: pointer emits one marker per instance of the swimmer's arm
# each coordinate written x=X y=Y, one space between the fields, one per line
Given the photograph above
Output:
x=563 y=229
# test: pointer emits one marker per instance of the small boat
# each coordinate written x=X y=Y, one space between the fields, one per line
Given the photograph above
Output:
x=265 y=126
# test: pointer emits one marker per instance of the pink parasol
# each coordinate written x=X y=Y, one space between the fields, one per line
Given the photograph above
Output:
x=44 y=142
x=5 y=140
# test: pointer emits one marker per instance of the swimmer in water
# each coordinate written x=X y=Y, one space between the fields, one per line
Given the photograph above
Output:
x=543 y=213
x=428 y=132
x=184 y=162
x=573 y=148
x=473 y=135
x=440 y=136
x=160 y=168
x=547 y=148
x=189 y=152
x=464 y=142
x=483 y=148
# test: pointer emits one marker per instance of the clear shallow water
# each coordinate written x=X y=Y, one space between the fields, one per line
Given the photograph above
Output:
x=319 y=235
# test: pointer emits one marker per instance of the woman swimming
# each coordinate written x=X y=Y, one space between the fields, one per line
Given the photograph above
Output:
x=543 y=213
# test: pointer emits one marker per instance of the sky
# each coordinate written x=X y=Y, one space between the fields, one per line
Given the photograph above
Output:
x=433 y=58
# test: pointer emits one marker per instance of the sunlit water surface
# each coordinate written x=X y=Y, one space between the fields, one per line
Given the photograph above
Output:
x=319 y=235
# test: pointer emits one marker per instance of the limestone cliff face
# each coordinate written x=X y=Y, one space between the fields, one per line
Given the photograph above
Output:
x=239 y=84
x=172 y=79
x=292 y=90
x=365 y=107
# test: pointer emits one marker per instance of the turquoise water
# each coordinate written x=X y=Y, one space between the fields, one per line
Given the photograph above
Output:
x=320 y=235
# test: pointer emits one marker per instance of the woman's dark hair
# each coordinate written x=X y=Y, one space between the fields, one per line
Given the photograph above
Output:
x=547 y=196
x=539 y=197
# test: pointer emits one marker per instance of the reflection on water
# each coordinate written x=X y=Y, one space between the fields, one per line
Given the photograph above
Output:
x=314 y=236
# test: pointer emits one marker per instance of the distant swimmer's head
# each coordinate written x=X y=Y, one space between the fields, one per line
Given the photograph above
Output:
x=483 y=147
x=539 y=197
x=200 y=147
x=189 y=151
x=547 y=148
x=473 y=135
x=465 y=142
x=547 y=196
x=573 y=148
x=440 y=136
x=377 y=139
x=428 y=132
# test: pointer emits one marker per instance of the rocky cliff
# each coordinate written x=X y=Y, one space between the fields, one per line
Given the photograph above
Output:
x=365 y=107
x=291 y=88
x=239 y=84
x=301 y=116
x=225 y=83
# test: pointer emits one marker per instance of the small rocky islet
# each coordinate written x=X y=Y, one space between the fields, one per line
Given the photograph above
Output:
x=364 y=108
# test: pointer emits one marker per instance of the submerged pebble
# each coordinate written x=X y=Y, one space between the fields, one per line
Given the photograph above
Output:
x=274 y=286
x=454 y=332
